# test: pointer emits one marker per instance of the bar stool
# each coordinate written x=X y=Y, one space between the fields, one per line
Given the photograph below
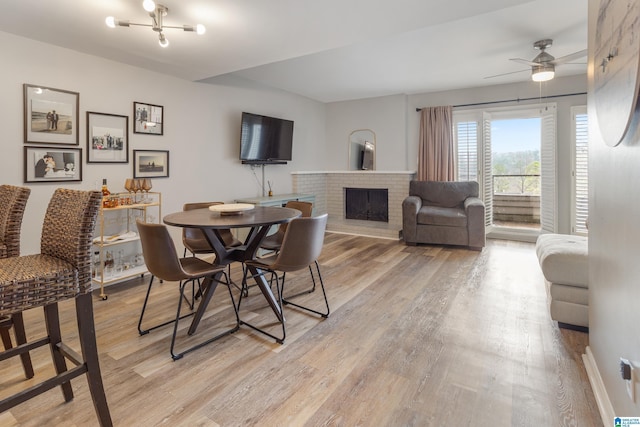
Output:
x=13 y=201
x=61 y=271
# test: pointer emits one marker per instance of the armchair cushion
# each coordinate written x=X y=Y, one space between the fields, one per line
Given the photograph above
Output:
x=434 y=215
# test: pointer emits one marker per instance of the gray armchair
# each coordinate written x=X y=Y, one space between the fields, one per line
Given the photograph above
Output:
x=446 y=213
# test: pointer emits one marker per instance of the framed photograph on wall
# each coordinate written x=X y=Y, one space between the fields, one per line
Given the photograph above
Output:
x=149 y=118
x=52 y=164
x=150 y=163
x=50 y=115
x=107 y=138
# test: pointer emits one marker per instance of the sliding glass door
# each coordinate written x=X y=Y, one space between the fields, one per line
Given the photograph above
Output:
x=511 y=153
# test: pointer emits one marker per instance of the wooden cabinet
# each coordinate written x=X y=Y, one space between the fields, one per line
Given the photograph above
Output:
x=116 y=251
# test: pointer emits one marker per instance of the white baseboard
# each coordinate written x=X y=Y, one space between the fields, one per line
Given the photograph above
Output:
x=599 y=391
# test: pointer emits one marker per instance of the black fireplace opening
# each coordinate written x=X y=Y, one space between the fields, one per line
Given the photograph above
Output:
x=371 y=204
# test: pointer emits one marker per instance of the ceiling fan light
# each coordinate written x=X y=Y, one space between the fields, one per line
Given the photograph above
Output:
x=542 y=76
x=542 y=73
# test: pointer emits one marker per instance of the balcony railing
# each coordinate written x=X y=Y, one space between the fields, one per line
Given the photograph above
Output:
x=516 y=199
x=516 y=184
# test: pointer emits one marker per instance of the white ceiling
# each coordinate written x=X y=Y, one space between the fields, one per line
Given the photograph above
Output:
x=329 y=50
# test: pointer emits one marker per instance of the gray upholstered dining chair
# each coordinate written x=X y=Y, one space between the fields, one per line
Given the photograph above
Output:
x=273 y=241
x=61 y=271
x=13 y=201
x=162 y=261
x=301 y=246
x=194 y=239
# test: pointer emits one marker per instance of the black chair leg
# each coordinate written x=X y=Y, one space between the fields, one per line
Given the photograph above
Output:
x=144 y=307
x=279 y=340
x=52 y=321
x=287 y=300
x=177 y=356
x=88 y=345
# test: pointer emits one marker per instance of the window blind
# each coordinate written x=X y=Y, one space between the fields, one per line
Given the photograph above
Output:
x=487 y=172
x=548 y=193
x=466 y=137
x=580 y=173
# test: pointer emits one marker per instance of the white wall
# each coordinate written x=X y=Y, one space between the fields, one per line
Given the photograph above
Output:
x=614 y=251
x=386 y=116
x=202 y=124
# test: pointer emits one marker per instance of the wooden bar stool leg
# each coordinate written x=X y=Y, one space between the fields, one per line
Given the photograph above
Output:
x=87 y=333
x=52 y=321
x=21 y=338
x=5 y=336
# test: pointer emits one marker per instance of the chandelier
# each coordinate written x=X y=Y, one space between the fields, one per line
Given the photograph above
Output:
x=157 y=12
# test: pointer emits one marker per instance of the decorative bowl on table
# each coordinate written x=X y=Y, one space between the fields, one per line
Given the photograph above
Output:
x=231 y=208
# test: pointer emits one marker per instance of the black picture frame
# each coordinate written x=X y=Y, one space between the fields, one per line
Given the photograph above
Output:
x=150 y=163
x=66 y=166
x=107 y=138
x=50 y=116
x=148 y=119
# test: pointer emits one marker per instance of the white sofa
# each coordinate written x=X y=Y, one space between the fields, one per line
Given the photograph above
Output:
x=564 y=262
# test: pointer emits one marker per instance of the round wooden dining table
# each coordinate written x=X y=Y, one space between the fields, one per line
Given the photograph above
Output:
x=259 y=220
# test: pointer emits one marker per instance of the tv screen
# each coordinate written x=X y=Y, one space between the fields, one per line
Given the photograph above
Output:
x=265 y=139
x=367 y=156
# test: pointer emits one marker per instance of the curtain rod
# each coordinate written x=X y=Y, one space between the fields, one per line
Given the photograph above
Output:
x=514 y=100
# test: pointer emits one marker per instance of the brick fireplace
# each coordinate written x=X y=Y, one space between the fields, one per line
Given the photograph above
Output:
x=329 y=189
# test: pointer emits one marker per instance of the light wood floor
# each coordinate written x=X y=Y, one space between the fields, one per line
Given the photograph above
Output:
x=418 y=336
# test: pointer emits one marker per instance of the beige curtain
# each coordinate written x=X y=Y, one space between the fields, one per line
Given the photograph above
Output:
x=436 y=153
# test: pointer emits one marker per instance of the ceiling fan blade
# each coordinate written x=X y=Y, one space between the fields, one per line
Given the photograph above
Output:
x=524 y=61
x=570 y=57
x=506 y=74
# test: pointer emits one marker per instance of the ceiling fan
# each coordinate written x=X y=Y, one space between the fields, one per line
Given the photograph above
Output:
x=543 y=66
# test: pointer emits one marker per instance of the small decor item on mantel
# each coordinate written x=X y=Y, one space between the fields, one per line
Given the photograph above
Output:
x=270 y=190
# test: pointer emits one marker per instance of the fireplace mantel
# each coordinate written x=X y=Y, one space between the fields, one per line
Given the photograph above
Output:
x=329 y=190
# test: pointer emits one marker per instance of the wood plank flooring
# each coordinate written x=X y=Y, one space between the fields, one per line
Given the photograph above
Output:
x=417 y=336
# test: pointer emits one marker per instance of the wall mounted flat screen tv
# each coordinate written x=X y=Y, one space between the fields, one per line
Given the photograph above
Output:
x=265 y=140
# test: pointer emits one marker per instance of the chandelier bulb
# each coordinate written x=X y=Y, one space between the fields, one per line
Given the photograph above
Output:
x=149 y=5
x=200 y=29
x=163 y=42
x=110 y=21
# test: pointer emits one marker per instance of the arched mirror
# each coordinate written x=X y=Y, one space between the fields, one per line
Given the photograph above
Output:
x=362 y=149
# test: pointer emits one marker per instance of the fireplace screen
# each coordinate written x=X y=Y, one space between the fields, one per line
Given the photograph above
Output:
x=370 y=204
